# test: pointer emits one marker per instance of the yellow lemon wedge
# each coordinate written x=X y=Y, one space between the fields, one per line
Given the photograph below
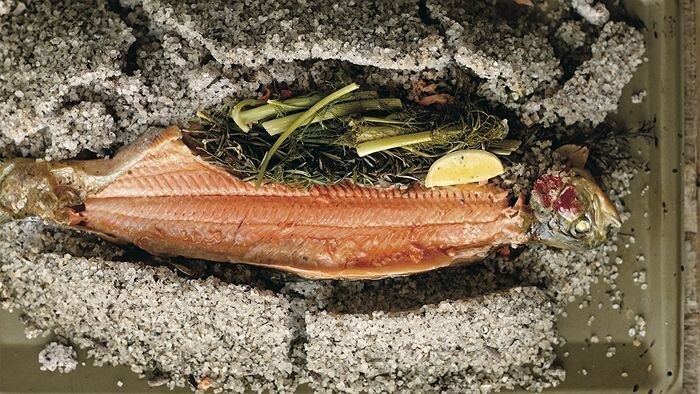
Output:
x=463 y=166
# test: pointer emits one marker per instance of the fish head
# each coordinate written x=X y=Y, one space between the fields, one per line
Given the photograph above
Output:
x=571 y=211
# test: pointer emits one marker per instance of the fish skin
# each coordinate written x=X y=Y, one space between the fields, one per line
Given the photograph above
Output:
x=171 y=202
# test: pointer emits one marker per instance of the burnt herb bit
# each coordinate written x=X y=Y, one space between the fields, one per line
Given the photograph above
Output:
x=323 y=149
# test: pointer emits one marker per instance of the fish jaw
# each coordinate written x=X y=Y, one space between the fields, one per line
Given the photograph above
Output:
x=171 y=202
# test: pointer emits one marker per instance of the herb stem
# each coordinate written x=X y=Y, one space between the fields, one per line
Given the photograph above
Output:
x=237 y=116
x=278 y=107
x=205 y=117
x=362 y=95
x=244 y=117
x=369 y=147
x=364 y=133
x=279 y=125
x=372 y=119
x=302 y=119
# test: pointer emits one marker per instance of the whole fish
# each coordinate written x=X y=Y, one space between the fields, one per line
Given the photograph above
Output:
x=162 y=197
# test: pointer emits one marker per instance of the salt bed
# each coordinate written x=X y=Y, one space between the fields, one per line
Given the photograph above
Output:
x=140 y=63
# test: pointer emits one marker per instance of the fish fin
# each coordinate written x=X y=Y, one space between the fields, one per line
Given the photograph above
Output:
x=576 y=155
x=432 y=262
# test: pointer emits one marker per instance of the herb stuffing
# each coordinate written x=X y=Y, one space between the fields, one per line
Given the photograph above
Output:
x=350 y=134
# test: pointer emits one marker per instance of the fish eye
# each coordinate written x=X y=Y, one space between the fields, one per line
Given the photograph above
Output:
x=580 y=227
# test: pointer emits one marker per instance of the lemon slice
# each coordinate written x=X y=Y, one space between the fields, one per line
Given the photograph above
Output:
x=463 y=166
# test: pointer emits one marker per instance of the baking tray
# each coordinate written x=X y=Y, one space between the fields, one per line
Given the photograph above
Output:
x=653 y=367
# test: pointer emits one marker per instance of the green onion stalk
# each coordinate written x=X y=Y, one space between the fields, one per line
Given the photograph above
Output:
x=249 y=111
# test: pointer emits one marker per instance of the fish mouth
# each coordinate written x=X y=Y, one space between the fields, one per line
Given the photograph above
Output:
x=606 y=214
x=602 y=214
x=610 y=215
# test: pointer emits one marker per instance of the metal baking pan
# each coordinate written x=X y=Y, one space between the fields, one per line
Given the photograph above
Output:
x=654 y=365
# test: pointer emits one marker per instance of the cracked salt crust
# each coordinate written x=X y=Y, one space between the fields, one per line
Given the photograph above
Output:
x=572 y=34
x=152 y=320
x=597 y=84
x=43 y=56
x=177 y=76
x=384 y=34
x=594 y=13
x=515 y=59
x=435 y=348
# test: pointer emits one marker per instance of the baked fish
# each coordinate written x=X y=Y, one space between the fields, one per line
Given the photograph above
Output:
x=162 y=197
